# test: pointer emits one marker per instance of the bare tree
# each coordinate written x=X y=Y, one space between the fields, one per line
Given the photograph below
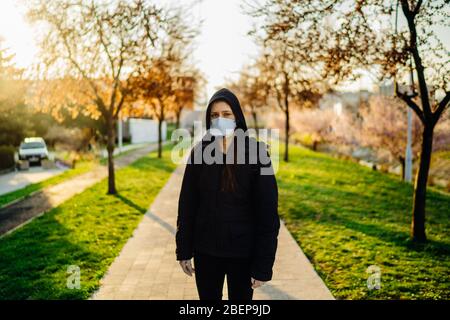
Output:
x=94 y=48
x=354 y=35
x=167 y=81
x=317 y=123
x=289 y=82
x=383 y=128
x=13 y=125
x=185 y=89
x=291 y=71
x=252 y=90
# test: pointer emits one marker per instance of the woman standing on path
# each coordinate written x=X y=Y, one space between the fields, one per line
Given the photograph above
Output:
x=228 y=208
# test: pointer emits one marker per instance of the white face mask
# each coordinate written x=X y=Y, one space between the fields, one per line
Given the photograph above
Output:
x=222 y=126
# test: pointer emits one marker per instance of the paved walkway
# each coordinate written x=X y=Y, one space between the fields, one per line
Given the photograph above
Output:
x=147 y=268
x=16 y=180
x=23 y=211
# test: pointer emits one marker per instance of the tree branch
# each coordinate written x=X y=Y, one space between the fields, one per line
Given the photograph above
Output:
x=441 y=107
x=417 y=8
x=420 y=70
x=411 y=103
x=280 y=103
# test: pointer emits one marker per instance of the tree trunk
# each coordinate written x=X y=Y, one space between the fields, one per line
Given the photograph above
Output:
x=314 y=145
x=403 y=164
x=178 y=116
x=160 y=118
x=286 y=109
x=255 y=122
x=159 y=138
x=110 y=149
x=255 y=119
x=286 y=139
x=420 y=186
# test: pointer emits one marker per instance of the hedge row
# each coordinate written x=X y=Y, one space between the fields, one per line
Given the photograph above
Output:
x=6 y=157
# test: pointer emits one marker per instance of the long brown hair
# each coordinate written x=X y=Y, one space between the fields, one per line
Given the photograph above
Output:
x=229 y=172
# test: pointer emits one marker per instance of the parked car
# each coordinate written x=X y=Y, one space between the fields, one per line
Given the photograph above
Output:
x=33 y=149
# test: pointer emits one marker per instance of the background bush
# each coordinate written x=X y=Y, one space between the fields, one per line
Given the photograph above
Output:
x=6 y=157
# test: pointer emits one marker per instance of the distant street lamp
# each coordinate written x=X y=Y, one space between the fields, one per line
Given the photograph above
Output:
x=408 y=155
x=408 y=151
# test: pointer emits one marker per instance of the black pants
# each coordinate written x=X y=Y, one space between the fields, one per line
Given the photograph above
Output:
x=210 y=273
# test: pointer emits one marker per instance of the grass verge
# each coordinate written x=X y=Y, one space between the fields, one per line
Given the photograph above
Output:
x=81 y=167
x=87 y=231
x=347 y=218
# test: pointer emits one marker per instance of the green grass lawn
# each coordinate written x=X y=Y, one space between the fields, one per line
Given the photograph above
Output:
x=170 y=129
x=347 y=217
x=81 y=167
x=88 y=231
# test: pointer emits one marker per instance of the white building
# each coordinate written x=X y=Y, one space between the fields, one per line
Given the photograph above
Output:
x=136 y=130
x=344 y=101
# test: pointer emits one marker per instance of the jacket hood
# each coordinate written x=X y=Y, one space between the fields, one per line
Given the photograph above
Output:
x=229 y=97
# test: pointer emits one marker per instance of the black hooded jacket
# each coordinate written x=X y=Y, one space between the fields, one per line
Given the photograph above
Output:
x=244 y=223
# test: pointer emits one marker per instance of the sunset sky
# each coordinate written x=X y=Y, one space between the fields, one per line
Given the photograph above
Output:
x=223 y=47
x=221 y=51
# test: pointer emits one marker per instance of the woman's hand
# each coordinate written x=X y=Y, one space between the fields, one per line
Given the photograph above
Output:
x=186 y=265
x=257 y=283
